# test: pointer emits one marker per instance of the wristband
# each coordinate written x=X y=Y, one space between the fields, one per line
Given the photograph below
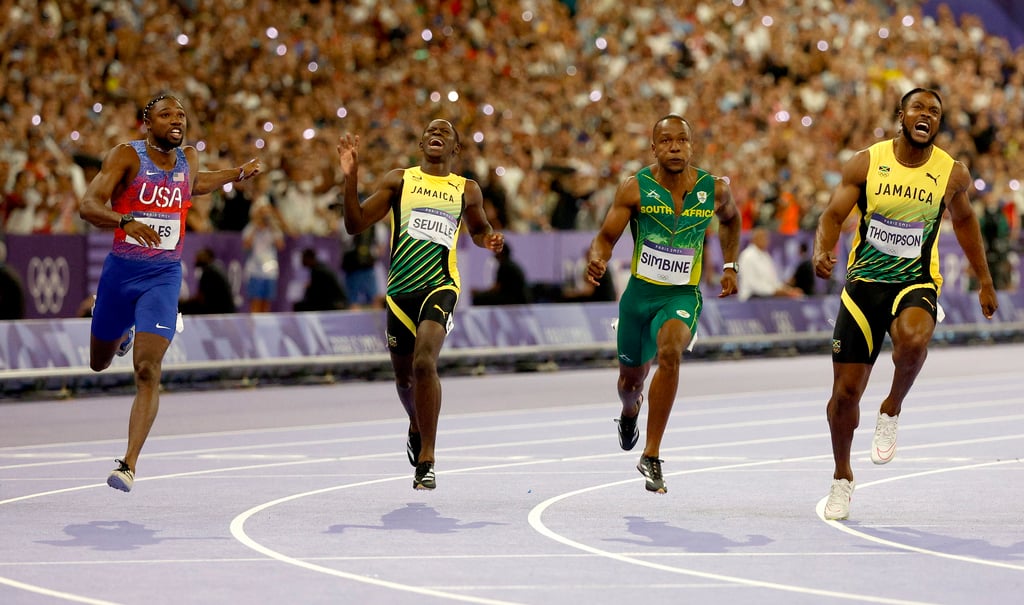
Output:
x=125 y=219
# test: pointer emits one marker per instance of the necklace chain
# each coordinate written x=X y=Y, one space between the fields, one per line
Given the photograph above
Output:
x=918 y=164
x=148 y=143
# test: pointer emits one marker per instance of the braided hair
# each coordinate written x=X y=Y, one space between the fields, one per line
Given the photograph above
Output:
x=154 y=101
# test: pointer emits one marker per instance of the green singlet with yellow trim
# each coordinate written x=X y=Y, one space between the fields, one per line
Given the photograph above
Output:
x=425 y=227
x=900 y=217
x=668 y=248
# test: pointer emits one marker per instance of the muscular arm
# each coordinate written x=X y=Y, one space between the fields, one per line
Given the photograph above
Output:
x=844 y=200
x=729 y=228
x=207 y=181
x=968 y=235
x=119 y=168
x=625 y=204
x=479 y=227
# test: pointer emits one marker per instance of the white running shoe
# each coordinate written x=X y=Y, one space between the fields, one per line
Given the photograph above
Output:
x=837 y=508
x=126 y=344
x=122 y=477
x=883 y=445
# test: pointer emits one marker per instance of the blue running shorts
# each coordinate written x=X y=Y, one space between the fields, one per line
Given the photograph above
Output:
x=140 y=293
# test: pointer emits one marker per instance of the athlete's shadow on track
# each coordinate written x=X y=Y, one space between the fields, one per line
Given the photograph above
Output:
x=111 y=535
x=661 y=534
x=418 y=517
x=953 y=545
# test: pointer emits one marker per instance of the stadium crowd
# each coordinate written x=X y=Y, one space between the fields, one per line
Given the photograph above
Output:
x=553 y=99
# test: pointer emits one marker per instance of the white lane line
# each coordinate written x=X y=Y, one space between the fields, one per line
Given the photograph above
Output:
x=418 y=557
x=627 y=558
x=224 y=451
x=225 y=469
x=535 y=519
x=820 y=510
x=238 y=532
x=53 y=593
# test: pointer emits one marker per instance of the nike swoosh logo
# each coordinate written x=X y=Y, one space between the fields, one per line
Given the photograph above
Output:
x=159 y=327
x=152 y=172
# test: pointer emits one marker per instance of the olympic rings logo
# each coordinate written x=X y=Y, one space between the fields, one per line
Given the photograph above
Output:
x=48 y=282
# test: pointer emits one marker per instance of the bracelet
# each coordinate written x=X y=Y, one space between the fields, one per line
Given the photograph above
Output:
x=241 y=173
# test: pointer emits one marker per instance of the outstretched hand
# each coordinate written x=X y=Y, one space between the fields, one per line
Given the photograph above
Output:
x=348 y=153
x=249 y=169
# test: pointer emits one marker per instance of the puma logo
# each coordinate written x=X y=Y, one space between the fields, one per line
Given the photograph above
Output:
x=443 y=313
x=934 y=179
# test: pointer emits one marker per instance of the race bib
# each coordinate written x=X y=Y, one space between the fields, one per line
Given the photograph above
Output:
x=665 y=264
x=432 y=225
x=895 y=238
x=167 y=226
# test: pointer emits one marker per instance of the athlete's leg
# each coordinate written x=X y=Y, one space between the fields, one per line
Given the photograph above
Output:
x=848 y=383
x=403 y=384
x=148 y=359
x=101 y=352
x=112 y=316
x=631 y=387
x=911 y=332
x=673 y=338
x=426 y=384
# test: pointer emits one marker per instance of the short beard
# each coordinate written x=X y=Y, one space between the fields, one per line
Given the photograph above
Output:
x=913 y=143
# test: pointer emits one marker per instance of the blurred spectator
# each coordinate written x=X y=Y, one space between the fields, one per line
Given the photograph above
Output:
x=213 y=293
x=803 y=277
x=509 y=287
x=759 y=276
x=532 y=92
x=604 y=291
x=324 y=291
x=263 y=239
x=577 y=288
x=995 y=236
x=12 y=293
x=358 y=263
x=20 y=203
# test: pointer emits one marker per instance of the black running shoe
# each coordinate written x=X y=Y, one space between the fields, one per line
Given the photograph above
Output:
x=628 y=431
x=122 y=477
x=650 y=468
x=424 y=478
x=412 y=448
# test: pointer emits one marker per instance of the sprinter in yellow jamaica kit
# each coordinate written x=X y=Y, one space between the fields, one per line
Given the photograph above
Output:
x=900 y=188
x=427 y=204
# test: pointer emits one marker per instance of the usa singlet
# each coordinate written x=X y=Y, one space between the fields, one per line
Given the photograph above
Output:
x=159 y=198
x=424 y=231
x=669 y=248
x=900 y=215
